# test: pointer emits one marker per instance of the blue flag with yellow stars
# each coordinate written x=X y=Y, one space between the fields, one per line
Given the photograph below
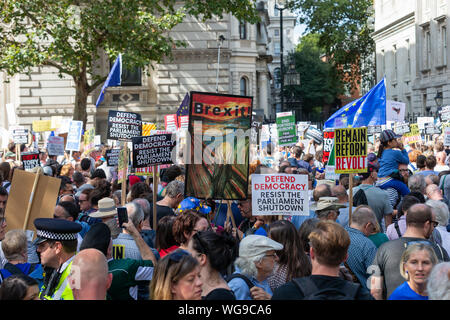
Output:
x=114 y=79
x=369 y=110
x=183 y=109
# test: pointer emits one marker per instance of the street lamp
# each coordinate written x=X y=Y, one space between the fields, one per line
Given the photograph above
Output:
x=220 y=41
x=439 y=100
x=280 y=5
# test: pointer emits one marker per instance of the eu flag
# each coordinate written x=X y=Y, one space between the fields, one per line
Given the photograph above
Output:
x=369 y=110
x=114 y=79
x=183 y=109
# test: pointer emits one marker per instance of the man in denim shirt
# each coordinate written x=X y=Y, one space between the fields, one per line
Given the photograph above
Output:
x=255 y=263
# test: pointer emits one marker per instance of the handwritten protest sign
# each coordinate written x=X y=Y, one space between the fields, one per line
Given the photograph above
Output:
x=30 y=160
x=413 y=136
x=42 y=125
x=55 y=146
x=351 y=150
x=124 y=125
x=280 y=194
x=74 y=135
x=153 y=150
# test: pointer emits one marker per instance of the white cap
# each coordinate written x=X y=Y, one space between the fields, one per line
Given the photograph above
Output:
x=254 y=245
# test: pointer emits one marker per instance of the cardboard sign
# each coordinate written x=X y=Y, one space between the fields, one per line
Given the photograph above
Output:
x=328 y=142
x=395 y=111
x=153 y=150
x=280 y=194
x=220 y=142
x=43 y=204
x=286 y=128
x=55 y=146
x=112 y=157
x=30 y=160
x=74 y=135
x=42 y=125
x=413 y=136
x=351 y=150
x=89 y=140
x=124 y=125
x=402 y=128
x=170 y=122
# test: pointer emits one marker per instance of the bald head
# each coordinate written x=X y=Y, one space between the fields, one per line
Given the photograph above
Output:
x=433 y=190
x=323 y=190
x=440 y=157
x=340 y=192
x=89 y=277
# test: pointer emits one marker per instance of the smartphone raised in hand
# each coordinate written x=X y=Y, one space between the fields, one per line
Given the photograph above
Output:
x=122 y=215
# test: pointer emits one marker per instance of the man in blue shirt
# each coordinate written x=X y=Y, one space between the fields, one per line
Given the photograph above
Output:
x=362 y=250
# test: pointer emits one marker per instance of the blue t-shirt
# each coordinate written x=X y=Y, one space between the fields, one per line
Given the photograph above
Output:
x=390 y=159
x=404 y=292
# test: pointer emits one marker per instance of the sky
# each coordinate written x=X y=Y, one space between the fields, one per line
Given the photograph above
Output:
x=298 y=30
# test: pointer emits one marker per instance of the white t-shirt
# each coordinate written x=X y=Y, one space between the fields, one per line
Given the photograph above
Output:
x=440 y=168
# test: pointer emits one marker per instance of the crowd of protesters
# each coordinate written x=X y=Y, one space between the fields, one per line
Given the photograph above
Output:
x=395 y=245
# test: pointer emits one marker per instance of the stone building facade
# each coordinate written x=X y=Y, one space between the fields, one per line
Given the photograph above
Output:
x=412 y=51
x=243 y=70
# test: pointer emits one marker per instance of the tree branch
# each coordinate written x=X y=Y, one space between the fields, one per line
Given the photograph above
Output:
x=57 y=66
x=95 y=84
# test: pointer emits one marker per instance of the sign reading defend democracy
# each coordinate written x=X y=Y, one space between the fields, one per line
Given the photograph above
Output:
x=351 y=150
x=152 y=150
x=124 y=125
x=280 y=194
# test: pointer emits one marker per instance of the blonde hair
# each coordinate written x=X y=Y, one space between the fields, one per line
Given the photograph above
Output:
x=410 y=250
x=65 y=170
x=15 y=244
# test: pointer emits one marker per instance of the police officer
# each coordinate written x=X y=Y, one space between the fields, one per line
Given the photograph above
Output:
x=57 y=244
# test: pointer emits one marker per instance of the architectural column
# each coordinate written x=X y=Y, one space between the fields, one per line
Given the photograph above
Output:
x=263 y=94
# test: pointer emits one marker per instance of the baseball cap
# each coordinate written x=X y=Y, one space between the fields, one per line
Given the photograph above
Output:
x=388 y=135
x=254 y=245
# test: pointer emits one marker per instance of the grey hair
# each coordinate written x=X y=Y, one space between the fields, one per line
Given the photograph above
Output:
x=417 y=183
x=145 y=205
x=362 y=215
x=247 y=265
x=440 y=210
x=174 y=188
x=135 y=213
x=323 y=214
x=438 y=284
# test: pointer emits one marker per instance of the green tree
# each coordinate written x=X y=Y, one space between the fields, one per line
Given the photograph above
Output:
x=344 y=33
x=320 y=83
x=71 y=35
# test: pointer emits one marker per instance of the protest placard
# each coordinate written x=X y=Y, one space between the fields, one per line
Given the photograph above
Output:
x=395 y=111
x=55 y=146
x=30 y=160
x=422 y=120
x=89 y=140
x=371 y=130
x=430 y=128
x=280 y=194
x=74 y=135
x=183 y=122
x=41 y=198
x=330 y=173
x=219 y=137
x=20 y=135
x=287 y=133
x=147 y=127
x=445 y=113
x=351 y=150
x=302 y=126
x=112 y=157
x=153 y=150
x=328 y=142
x=401 y=128
x=122 y=165
x=148 y=171
x=42 y=125
x=170 y=122
x=124 y=125
x=314 y=134
x=413 y=136
x=447 y=136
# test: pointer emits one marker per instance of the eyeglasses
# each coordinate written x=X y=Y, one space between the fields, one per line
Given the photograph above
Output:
x=403 y=170
x=178 y=255
x=435 y=223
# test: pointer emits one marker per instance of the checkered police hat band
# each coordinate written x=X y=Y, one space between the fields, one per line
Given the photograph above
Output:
x=56 y=236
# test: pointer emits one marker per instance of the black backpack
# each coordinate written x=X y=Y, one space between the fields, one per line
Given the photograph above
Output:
x=311 y=292
x=240 y=276
x=359 y=198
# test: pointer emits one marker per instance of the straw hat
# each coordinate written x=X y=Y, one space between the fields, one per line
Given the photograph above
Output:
x=106 y=208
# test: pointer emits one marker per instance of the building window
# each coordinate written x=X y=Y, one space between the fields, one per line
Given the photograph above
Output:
x=408 y=52
x=276 y=48
x=130 y=76
x=427 y=58
x=383 y=63
x=277 y=76
x=276 y=12
x=276 y=32
x=424 y=102
x=243 y=86
x=444 y=45
x=242 y=30
x=395 y=62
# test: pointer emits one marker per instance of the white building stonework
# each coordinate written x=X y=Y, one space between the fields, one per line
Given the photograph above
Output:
x=412 y=51
x=243 y=69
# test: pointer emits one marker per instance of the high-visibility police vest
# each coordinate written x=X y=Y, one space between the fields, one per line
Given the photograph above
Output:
x=62 y=290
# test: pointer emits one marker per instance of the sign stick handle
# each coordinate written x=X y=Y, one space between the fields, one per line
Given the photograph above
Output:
x=124 y=180
x=155 y=193
x=230 y=213
x=17 y=152
x=33 y=193
x=350 y=200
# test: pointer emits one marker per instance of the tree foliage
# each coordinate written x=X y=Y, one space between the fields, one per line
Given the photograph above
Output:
x=344 y=32
x=71 y=35
x=320 y=83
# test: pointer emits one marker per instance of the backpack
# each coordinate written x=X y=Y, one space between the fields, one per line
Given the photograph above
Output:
x=12 y=269
x=359 y=198
x=241 y=276
x=311 y=292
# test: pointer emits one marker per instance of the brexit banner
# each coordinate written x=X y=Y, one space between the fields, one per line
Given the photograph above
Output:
x=124 y=125
x=30 y=160
x=328 y=142
x=280 y=194
x=153 y=150
x=351 y=150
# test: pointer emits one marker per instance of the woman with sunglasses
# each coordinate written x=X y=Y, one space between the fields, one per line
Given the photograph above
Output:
x=176 y=277
x=415 y=266
x=215 y=253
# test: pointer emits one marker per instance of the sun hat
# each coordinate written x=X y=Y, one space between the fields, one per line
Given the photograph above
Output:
x=106 y=208
x=329 y=203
